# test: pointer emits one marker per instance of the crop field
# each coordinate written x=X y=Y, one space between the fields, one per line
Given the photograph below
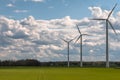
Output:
x=37 y=73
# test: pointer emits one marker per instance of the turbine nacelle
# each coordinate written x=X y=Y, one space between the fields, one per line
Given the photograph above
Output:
x=68 y=41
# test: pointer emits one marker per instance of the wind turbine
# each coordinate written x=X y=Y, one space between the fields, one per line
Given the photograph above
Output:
x=80 y=38
x=108 y=23
x=68 y=43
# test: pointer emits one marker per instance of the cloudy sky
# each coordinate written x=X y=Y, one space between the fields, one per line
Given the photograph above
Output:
x=32 y=29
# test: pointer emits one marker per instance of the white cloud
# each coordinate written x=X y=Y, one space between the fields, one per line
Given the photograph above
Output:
x=98 y=12
x=35 y=0
x=40 y=39
x=38 y=0
x=95 y=10
x=10 y=5
x=20 y=11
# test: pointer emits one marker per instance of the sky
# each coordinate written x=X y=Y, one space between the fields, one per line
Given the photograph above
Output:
x=51 y=9
x=32 y=29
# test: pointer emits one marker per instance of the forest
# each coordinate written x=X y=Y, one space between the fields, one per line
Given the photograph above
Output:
x=33 y=62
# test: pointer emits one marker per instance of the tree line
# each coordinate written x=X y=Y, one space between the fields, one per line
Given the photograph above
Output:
x=33 y=62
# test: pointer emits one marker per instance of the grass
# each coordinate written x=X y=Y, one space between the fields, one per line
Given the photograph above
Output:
x=37 y=73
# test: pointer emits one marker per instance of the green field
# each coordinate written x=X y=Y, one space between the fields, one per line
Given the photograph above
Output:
x=37 y=73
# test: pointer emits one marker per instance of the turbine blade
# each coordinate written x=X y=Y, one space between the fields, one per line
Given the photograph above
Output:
x=111 y=11
x=112 y=27
x=64 y=40
x=72 y=39
x=77 y=38
x=78 y=29
x=97 y=19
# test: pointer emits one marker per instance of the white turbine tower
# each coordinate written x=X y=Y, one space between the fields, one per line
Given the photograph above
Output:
x=108 y=23
x=80 y=38
x=68 y=43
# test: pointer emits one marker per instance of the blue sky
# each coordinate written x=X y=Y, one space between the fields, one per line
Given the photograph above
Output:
x=52 y=9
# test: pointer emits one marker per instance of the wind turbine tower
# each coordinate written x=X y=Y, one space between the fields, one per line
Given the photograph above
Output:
x=68 y=43
x=80 y=38
x=108 y=23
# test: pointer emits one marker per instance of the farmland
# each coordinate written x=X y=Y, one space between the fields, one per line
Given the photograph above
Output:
x=50 y=73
